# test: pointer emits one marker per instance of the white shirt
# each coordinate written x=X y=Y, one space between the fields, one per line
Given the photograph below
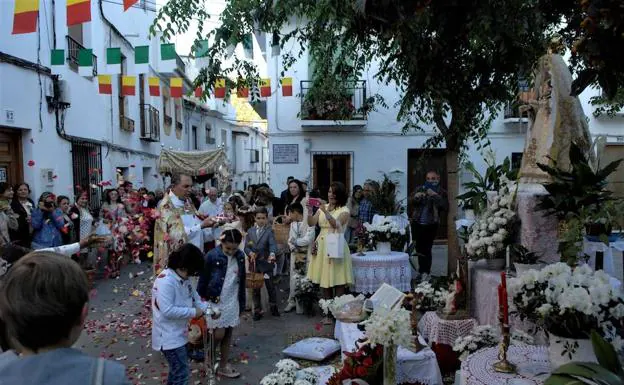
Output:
x=192 y=224
x=300 y=235
x=173 y=304
x=210 y=209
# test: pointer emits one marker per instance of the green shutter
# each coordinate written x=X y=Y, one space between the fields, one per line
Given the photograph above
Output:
x=57 y=57
x=167 y=52
x=141 y=54
x=113 y=56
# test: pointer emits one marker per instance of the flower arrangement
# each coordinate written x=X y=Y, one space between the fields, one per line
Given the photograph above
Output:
x=346 y=308
x=305 y=293
x=389 y=327
x=486 y=336
x=286 y=374
x=570 y=303
x=386 y=231
x=429 y=298
x=492 y=231
x=364 y=364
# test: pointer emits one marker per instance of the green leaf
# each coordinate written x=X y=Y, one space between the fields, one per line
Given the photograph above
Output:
x=589 y=370
x=558 y=379
x=606 y=354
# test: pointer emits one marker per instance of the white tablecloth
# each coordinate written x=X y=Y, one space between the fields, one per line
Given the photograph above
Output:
x=441 y=331
x=532 y=366
x=590 y=248
x=372 y=269
x=421 y=367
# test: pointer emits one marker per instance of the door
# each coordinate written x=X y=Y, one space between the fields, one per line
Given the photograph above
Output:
x=11 y=169
x=419 y=162
x=328 y=168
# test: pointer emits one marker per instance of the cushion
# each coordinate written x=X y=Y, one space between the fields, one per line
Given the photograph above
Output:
x=313 y=349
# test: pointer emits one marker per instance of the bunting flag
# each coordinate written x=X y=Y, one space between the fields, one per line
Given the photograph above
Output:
x=242 y=92
x=201 y=49
x=141 y=59
x=113 y=61
x=167 y=58
x=265 y=88
x=106 y=84
x=85 y=62
x=199 y=92
x=128 y=3
x=219 y=89
x=286 y=86
x=128 y=85
x=154 y=86
x=57 y=61
x=25 y=16
x=78 y=11
x=176 y=87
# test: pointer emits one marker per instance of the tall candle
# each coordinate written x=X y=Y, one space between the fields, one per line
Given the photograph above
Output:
x=500 y=300
x=507 y=261
x=504 y=280
x=505 y=307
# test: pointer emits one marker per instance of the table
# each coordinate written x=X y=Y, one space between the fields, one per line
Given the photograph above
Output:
x=420 y=367
x=533 y=366
x=440 y=331
x=372 y=269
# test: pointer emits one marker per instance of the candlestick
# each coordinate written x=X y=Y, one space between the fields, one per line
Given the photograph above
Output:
x=503 y=365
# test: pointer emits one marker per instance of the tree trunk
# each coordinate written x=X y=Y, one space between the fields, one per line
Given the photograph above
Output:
x=452 y=166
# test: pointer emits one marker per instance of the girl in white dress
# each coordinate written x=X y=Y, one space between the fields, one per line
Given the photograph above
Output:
x=222 y=284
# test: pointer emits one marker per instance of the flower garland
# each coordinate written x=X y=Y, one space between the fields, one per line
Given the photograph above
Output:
x=570 y=303
x=288 y=374
x=486 y=336
x=492 y=231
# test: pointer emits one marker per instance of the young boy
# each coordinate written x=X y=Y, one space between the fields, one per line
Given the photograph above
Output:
x=300 y=237
x=261 y=248
x=43 y=303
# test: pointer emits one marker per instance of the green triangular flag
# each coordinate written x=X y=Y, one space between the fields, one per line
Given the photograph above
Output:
x=57 y=61
x=113 y=61
x=85 y=62
x=141 y=59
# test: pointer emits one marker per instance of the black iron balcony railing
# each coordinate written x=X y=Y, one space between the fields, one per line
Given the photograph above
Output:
x=150 y=123
x=126 y=124
x=168 y=120
x=512 y=111
x=180 y=64
x=179 y=126
x=211 y=141
x=352 y=104
x=73 y=52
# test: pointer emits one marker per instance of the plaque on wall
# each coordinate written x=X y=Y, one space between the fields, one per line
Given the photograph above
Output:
x=285 y=153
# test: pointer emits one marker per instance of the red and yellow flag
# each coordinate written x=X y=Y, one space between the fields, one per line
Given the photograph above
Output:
x=78 y=11
x=176 y=87
x=242 y=92
x=106 y=84
x=154 y=86
x=128 y=85
x=265 y=88
x=286 y=86
x=199 y=92
x=128 y=3
x=25 y=16
x=219 y=90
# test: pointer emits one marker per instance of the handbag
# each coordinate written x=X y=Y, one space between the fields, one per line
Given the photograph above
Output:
x=334 y=243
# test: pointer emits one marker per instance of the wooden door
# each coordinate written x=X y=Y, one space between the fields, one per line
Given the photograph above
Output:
x=328 y=168
x=11 y=169
x=419 y=162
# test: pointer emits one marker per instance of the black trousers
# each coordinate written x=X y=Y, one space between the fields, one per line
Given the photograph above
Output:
x=271 y=290
x=424 y=236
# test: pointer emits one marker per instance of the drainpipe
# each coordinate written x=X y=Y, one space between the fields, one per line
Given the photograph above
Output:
x=53 y=24
x=112 y=26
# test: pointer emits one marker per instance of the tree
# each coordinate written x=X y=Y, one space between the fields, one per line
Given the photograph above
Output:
x=455 y=62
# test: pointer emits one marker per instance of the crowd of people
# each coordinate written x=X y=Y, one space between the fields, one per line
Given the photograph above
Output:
x=187 y=232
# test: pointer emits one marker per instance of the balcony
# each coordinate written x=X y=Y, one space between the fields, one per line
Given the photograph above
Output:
x=514 y=113
x=179 y=126
x=73 y=50
x=344 y=106
x=126 y=124
x=150 y=123
x=211 y=141
x=180 y=64
x=168 y=120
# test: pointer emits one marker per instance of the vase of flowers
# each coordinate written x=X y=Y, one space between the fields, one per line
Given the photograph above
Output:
x=493 y=231
x=383 y=234
x=305 y=295
x=568 y=304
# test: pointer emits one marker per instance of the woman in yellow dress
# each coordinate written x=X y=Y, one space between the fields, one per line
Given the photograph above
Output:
x=332 y=274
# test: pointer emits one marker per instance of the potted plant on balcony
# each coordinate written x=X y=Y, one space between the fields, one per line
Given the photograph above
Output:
x=327 y=100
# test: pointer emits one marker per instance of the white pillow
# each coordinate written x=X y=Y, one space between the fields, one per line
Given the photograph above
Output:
x=314 y=349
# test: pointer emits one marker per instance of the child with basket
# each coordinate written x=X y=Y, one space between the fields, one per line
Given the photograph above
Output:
x=221 y=283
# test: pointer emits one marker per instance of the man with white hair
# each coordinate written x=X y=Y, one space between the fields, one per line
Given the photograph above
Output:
x=211 y=207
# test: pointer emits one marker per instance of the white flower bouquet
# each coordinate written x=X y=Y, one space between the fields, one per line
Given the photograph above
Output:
x=305 y=293
x=286 y=374
x=389 y=327
x=492 y=231
x=429 y=298
x=345 y=308
x=486 y=336
x=385 y=231
x=570 y=303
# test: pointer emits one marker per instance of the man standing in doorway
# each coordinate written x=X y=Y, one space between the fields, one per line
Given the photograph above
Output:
x=177 y=222
x=428 y=203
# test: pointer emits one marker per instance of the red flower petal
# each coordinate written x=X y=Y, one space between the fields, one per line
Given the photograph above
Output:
x=31 y=163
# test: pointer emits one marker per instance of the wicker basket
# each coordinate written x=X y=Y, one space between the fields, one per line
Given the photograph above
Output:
x=281 y=230
x=254 y=280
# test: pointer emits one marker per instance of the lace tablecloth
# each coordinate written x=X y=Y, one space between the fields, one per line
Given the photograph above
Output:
x=372 y=269
x=532 y=365
x=441 y=331
x=484 y=293
x=421 y=367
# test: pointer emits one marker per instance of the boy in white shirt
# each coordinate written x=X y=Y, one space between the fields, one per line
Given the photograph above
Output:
x=300 y=238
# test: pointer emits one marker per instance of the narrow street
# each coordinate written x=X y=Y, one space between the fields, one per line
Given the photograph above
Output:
x=119 y=328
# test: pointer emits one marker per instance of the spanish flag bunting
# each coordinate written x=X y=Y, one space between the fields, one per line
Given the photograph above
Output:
x=106 y=84
x=25 y=16
x=219 y=90
x=265 y=88
x=242 y=92
x=128 y=85
x=78 y=11
x=286 y=86
x=199 y=92
x=128 y=3
x=154 y=86
x=176 y=87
